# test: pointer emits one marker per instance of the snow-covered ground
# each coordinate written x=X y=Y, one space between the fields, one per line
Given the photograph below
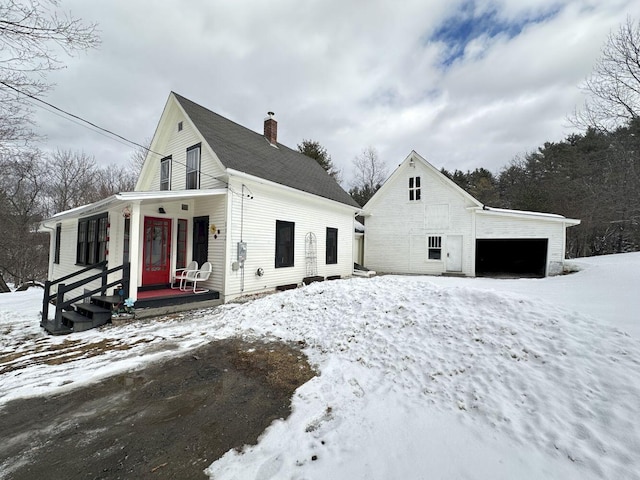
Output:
x=420 y=377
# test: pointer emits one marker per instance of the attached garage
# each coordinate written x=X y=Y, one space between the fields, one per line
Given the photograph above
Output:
x=518 y=243
x=421 y=222
x=520 y=257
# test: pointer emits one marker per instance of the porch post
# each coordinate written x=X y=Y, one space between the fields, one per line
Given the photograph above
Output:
x=135 y=247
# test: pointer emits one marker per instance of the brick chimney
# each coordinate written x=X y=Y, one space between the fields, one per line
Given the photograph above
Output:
x=271 y=128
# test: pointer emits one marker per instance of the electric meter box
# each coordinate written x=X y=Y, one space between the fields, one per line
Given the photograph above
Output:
x=242 y=251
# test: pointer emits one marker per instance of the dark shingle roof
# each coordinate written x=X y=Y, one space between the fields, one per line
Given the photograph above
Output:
x=244 y=150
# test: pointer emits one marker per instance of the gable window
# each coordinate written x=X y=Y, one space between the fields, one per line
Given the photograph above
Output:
x=92 y=240
x=285 y=232
x=414 y=188
x=332 y=246
x=193 y=167
x=435 y=248
x=165 y=173
x=56 y=256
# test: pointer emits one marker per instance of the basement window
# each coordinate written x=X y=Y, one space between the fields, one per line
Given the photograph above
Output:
x=434 y=248
x=414 y=188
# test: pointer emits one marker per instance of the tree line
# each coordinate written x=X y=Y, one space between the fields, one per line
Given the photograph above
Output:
x=35 y=186
x=594 y=177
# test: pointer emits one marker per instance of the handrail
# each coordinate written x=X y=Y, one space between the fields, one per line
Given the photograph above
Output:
x=61 y=304
x=80 y=272
x=48 y=284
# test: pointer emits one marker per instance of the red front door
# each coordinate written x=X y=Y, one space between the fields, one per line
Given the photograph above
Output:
x=156 y=252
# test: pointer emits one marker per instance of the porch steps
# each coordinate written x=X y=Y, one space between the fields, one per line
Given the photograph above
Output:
x=85 y=316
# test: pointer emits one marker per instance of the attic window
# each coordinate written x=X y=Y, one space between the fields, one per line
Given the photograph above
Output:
x=414 y=188
x=179 y=126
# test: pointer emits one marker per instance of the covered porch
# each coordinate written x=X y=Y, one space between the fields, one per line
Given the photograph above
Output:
x=153 y=234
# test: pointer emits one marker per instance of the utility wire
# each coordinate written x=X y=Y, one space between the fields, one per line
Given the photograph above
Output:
x=103 y=131
x=98 y=127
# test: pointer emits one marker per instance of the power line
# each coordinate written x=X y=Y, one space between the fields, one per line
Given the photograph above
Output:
x=102 y=131
x=98 y=127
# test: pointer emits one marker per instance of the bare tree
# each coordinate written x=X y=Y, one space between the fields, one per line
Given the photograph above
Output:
x=613 y=88
x=71 y=180
x=369 y=172
x=23 y=250
x=113 y=179
x=33 y=34
x=138 y=156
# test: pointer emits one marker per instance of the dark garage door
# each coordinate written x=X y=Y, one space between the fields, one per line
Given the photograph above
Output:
x=512 y=257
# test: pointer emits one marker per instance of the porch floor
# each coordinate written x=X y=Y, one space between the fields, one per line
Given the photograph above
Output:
x=161 y=297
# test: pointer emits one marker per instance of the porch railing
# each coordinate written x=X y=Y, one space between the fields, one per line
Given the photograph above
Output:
x=63 y=288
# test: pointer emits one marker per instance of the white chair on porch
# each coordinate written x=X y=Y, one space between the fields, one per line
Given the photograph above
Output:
x=181 y=274
x=195 y=276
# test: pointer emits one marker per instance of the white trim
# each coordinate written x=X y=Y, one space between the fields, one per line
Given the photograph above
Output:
x=552 y=217
x=236 y=173
x=141 y=197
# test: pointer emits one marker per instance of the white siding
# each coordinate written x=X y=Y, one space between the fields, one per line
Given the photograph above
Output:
x=254 y=220
x=494 y=226
x=169 y=141
x=68 y=245
x=215 y=208
x=397 y=230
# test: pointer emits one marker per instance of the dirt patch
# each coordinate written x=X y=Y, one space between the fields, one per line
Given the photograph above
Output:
x=64 y=352
x=168 y=421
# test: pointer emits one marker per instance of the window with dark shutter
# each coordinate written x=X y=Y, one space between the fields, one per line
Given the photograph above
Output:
x=56 y=256
x=332 y=246
x=285 y=232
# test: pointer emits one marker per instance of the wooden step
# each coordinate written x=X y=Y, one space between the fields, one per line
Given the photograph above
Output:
x=77 y=322
x=106 y=301
x=93 y=311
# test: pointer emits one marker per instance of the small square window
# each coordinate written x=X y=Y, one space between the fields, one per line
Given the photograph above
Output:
x=435 y=248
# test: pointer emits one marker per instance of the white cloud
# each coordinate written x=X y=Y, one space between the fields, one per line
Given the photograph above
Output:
x=348 y=74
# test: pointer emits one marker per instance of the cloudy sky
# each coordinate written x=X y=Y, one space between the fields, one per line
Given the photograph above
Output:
x=466 y=84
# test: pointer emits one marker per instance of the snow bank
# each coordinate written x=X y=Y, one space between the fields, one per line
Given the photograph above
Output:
x=404 y=361
x=420 y=377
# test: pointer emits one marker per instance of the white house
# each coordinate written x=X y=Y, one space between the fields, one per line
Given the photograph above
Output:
x=264 y=215
x=420 y=221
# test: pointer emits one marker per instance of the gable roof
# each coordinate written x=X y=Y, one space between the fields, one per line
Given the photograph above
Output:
x=415 y=157
x=244 y=150
x=477 y=205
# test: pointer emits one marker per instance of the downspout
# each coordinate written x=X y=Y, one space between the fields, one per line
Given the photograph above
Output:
x=51 y=251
